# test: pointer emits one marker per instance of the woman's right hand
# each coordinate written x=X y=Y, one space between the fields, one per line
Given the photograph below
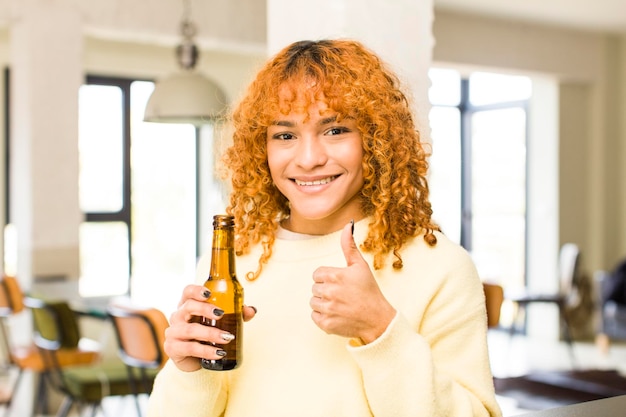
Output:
x=184 y=335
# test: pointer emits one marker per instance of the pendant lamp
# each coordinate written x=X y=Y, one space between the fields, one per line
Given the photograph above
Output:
x=186 y=96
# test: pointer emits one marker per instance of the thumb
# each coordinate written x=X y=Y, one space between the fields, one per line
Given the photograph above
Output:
x=348 y=245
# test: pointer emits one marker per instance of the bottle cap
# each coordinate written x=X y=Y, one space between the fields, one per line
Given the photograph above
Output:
x=223 y=220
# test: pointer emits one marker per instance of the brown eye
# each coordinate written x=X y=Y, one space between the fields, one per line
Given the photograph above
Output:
x=283 y=136
x=336 y=131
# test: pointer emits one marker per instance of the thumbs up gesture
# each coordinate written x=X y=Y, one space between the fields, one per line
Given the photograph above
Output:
x=347 y=301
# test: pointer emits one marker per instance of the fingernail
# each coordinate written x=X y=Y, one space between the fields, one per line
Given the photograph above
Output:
x=220 y=352
x=227 y=337
x=206 y=294
x=254 y=308
x=352 y=226
x=218 y=312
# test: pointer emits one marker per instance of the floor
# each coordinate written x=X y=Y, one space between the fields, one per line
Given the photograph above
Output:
x=512 y=356
x=509 y=357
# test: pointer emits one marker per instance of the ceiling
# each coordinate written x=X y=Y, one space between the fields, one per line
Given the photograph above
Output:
x=594 y=15
x=239 y=25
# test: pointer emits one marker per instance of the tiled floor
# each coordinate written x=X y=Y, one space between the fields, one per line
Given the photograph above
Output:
x=509 y=357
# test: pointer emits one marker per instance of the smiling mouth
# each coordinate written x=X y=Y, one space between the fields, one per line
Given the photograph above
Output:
x=316 y=182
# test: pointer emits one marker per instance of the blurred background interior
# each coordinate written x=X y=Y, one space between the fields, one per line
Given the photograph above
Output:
x=524 y=104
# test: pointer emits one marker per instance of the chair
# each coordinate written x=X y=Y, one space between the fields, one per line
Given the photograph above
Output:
x=56 y=329
x=140 y=335
x=6 y=397
x=494 y=296
x=569 y=260
x=28 y=358
x=612 y=304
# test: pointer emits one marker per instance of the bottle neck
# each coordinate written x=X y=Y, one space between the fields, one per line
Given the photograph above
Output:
x=223 y=253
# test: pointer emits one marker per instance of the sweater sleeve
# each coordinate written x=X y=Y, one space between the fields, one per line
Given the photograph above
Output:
x=191 y=394
x=440 y=369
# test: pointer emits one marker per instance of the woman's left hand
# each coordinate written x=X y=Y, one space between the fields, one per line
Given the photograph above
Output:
x=347 y=301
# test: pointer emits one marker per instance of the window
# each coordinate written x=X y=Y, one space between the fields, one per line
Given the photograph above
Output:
x=104 y=190
x=478 y=167
x=138 y=191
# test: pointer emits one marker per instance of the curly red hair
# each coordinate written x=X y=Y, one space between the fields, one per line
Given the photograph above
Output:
x=352 y=81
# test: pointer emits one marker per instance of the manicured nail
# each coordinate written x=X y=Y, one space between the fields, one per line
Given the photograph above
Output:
x=254 y=308
x=206 y=294
x=352 y=226
x=220 y=352
x=218 y=312
x=227 y=337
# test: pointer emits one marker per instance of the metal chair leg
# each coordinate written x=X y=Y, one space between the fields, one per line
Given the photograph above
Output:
x=65 y=408
x=16 y=384
x=568 y=334
x=94 y=409
x=41 y=396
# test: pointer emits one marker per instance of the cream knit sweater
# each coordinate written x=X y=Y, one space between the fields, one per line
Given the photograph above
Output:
x=431 y=361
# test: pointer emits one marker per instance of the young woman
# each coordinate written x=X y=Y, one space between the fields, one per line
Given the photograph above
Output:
x=364 y=307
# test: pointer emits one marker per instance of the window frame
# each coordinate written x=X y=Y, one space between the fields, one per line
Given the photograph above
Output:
x=124 y=214
x=466 y=110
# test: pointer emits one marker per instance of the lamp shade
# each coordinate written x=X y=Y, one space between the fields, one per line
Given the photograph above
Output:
x=185 y=97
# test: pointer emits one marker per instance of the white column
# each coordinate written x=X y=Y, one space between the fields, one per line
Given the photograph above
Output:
x=400 y=31
x=46 y=73
x=543 y=212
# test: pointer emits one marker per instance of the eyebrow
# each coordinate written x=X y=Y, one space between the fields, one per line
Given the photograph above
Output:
x=287 y=123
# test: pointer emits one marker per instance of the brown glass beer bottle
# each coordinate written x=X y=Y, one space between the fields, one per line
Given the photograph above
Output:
x=226 y=294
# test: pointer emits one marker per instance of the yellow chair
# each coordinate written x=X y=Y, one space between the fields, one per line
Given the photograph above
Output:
x=28 y=358
x=140 y=334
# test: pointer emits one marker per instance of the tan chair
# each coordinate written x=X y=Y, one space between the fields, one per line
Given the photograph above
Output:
x=494 y=297
x=28 y=358
x=6 y=397
x=140 y=334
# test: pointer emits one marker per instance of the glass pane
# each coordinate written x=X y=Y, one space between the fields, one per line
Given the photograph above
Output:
x=213 y=193
x=164 y=205
x=100 y=148
x=488 y=88
x=103 y=259
x=499 y=194
x=445 y=89
x=445 y=170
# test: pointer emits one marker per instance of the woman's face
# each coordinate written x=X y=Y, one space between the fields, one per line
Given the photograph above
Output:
x=315 y=162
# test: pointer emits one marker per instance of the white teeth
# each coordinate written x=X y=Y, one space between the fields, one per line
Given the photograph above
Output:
x=316 y=182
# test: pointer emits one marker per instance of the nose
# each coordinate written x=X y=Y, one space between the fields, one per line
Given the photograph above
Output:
x=310 y=152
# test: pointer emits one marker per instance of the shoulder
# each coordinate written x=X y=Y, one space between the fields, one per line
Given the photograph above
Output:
x=445 y=253
x=445 y=267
